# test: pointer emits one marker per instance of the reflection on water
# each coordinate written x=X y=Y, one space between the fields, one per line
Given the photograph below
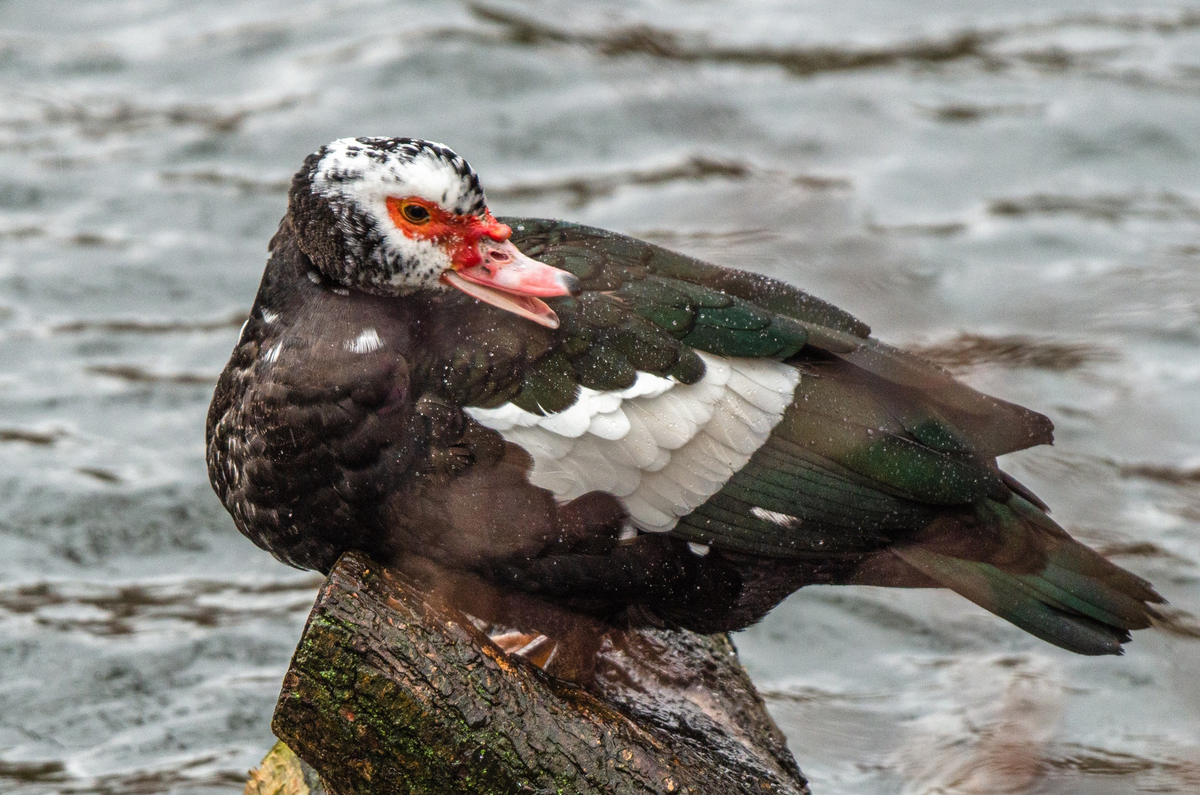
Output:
x=987 y=726
x=1010 y=190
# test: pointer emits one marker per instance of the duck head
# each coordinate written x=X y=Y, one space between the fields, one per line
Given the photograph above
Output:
x=394 y=216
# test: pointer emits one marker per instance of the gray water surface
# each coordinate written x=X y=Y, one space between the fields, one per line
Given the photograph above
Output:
x=1012 y=188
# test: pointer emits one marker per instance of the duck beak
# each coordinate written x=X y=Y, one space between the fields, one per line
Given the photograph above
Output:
x=508 y=279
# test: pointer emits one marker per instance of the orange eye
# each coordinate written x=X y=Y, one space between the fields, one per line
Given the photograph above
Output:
x=414 y=213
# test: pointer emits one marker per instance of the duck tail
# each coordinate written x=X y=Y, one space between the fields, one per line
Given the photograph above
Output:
x=1028 y=571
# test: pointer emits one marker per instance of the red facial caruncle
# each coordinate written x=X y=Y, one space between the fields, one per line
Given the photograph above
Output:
x=457 y=235
x=484 y=263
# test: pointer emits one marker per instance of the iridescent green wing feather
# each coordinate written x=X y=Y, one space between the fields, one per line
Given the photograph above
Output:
x=630 y=319
x=882 y=460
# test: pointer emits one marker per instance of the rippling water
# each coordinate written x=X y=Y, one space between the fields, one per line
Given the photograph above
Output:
x=1012 y=188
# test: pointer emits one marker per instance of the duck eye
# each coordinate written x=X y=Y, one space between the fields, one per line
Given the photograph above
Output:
x=415 y=214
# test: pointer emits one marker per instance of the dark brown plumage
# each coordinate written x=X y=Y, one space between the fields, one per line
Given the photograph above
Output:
x=373 y=417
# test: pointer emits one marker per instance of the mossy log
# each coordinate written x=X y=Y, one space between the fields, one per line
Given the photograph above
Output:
x=391 y=692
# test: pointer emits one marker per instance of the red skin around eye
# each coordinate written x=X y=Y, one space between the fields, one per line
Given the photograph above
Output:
x=457 y=235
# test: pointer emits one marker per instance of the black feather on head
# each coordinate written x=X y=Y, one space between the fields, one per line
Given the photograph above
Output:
x=338 y=208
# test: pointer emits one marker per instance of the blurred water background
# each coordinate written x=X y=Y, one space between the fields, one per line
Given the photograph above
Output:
x=1012 y=188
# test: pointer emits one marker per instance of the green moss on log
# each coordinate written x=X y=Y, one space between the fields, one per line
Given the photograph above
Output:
x=388 y=693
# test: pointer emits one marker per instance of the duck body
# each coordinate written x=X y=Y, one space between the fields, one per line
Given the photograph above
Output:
x=662 y=442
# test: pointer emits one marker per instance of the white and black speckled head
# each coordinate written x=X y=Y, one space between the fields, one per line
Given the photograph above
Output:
x=352 y=180
x=394 y=216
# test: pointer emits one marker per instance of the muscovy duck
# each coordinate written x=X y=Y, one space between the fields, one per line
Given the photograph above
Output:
x=535 y=415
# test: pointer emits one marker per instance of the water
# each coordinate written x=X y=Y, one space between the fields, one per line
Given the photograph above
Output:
x=1014 y=189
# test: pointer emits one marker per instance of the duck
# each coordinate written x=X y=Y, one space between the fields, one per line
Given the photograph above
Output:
x=542 y=420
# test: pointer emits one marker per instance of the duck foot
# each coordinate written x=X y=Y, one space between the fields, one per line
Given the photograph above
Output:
x=536 y=648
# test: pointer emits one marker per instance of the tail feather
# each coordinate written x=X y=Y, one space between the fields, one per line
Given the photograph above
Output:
x=1083 y=561
x=1009 y=598
x=1074 y=598
x=1091 y=597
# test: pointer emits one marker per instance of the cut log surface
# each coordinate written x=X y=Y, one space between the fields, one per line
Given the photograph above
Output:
x=391 y=692
x=281 y=772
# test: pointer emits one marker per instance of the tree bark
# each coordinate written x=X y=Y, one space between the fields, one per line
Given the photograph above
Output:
x=390 y=692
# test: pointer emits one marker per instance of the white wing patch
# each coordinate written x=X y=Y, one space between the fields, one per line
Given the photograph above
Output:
x=660 y=446
x=781 y=519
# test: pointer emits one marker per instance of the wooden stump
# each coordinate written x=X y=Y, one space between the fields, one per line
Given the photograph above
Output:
x=281 y=772
x=389 y=692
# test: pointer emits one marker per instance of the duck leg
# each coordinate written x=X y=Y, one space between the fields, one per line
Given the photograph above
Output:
x=536 y=648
